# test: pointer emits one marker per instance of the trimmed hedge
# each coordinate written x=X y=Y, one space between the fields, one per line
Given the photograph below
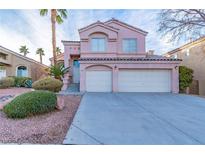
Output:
x=6 y=82
x=185 y=77
x=31 y=103
x=48 y=83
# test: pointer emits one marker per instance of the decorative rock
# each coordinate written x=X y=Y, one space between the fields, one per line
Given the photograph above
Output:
x=60 y=103
x=5 y=100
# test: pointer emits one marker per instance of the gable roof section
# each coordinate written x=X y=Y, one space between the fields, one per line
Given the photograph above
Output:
x=113 y=20
x=98 y=23
x=195 y=42
x=23 y=57
x=58 y=56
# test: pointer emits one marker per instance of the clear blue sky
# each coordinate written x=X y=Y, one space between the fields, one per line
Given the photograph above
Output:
x=27 y=27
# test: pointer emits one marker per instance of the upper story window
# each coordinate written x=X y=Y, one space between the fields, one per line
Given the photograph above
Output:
x=130 y=45
x=3 y=56
x=98 y=44
x=187 y=52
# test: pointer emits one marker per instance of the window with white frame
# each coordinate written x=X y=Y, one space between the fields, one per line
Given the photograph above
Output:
x=129 y=45
x=98 y=44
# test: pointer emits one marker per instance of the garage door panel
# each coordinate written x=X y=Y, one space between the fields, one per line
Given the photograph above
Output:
x=144 y=81
x=98 y=81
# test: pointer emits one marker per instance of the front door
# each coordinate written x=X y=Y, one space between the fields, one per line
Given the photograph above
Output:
x=76 y=71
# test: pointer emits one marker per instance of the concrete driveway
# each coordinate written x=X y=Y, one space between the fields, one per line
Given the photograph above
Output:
x=138 y=118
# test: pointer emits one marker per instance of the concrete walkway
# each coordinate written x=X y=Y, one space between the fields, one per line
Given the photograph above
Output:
x=138 y=118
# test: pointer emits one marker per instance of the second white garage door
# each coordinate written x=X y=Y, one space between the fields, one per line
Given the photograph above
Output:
x=98 y=81
x=144 y=81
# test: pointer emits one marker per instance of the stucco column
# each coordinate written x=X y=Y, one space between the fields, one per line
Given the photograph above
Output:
x=175 y=79
x=82 y=78
x=115 y=79
x=66 y=76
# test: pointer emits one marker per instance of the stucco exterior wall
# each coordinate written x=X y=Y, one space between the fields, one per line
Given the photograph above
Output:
x=125 y=32
x=196 y=61
x=114 y=39
x=35 y=71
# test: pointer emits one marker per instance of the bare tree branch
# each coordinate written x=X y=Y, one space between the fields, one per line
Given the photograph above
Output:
x=182 y=23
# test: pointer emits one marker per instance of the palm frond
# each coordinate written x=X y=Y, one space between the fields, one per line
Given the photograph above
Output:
x=62 y=13
x=59 y=20
x=40 y=51
x=43 y=12
x=58 y=71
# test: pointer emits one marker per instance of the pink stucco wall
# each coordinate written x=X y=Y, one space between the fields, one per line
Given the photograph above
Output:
x=114 y=40
x=125 y=32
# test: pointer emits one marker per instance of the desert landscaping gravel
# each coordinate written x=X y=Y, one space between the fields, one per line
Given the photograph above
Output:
x=49 y=128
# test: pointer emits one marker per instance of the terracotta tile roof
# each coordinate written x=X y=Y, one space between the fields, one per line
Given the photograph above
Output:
x=130 y=59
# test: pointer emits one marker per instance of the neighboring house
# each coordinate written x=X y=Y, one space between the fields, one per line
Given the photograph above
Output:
x=60 y=59
x=193 y=56
x=111 y=57
x=14 y=64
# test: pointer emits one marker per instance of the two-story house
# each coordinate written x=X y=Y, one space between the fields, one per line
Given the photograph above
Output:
x=193 y=56
x=111 y=57
x=14 y=64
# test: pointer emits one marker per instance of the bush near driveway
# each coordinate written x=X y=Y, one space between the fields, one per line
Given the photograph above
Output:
x=31 y=103
x=48 y=83
x=185 y=77
x=6 y=82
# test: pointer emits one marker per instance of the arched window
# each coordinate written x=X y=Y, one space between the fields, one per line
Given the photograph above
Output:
x=22 y=71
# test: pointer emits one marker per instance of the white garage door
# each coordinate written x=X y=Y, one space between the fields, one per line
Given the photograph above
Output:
x=2 y=73
x=144 y=81
x=98 y=81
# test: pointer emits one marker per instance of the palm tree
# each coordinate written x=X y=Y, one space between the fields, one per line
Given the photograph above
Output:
x=40 y=52
x=58 y=50
x=23 y=49
x=57 y=15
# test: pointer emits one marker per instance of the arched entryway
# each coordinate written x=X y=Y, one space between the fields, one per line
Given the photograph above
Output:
x=21 y=71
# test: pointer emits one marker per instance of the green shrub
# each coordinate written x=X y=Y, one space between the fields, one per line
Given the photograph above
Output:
x=31 y=103
x=6 y=82
x=58 y=71
x=185 y=77
x=48 y=83
x=21 y=81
